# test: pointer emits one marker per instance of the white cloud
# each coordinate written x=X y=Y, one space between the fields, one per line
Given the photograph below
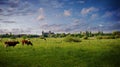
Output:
x=58 y=15
x=17 y=7
x=3 y=31
x=18 y=30
x=71 y=3
x=67 y=13
x=10 y=9
x=94 y=16
x=40 y=17
x=41 y=11
x=76 y=21
x=14 y=1
x=52 y=27
x=52 y=3
x=81 y=2
x=118 y=21
x=41 y=14
x=100 y=25
x=86 y=11
x=108 y=14
x=56 y=4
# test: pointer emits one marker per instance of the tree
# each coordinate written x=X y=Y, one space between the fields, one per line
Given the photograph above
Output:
x=63 y=35
x=116 y=32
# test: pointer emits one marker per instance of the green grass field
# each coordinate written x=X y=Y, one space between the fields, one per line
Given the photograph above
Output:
x=56 y=53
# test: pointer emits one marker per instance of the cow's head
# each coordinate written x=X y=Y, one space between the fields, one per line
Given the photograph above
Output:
x=17 y=42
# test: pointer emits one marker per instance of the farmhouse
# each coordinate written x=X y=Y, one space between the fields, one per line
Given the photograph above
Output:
x=46 y=34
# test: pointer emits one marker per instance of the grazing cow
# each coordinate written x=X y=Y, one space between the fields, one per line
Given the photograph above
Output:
x=11 y=43
x=28 y=42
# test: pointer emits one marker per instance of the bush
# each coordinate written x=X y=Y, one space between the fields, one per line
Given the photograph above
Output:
x=85 y=37
x=108 y=37
x=99 y=37
x=116 y=32
x=13 y=37
x=112 y=37
x=24 y=37
x=42 y=37
x=72 y=39
x=117 y=36
x=105 y=37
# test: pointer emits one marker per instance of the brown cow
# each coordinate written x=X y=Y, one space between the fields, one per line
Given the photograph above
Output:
x=11 y=43
x=28 y=42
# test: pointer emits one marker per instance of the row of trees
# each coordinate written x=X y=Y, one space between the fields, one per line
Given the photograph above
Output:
x=18 y=36
x=60 y=35
x=82 y=34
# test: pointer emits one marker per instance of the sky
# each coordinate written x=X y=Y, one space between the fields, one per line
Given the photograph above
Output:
x=59 y=16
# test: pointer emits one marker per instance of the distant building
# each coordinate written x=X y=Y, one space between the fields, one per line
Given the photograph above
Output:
x=46 y=34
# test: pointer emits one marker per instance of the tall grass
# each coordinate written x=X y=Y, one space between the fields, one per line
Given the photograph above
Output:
x=55 y=52
x=72 y=39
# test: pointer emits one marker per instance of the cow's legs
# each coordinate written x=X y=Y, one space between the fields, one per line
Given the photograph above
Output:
x=6 y=45
x=23 y=44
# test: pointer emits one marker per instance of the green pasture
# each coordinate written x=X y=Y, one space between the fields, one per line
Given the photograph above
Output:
x=55 y=52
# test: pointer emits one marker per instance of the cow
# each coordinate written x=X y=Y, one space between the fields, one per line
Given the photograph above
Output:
x=28 y=42
x=11 y=43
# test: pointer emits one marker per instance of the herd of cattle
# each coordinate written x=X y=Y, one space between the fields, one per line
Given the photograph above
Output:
x=14 y=43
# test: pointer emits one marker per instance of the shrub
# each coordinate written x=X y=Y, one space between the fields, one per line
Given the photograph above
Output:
x=116 y=32
x=13 y=37
x=112 y=37
x=42 y=37
x=117 y=36
x=85 y=37
x=24 y=37
x=105 y=37
x=99 y=37
x=108 y=37
x=72 y=39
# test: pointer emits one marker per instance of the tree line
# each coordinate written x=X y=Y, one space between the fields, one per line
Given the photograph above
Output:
x=60 y=35
x=82 y=34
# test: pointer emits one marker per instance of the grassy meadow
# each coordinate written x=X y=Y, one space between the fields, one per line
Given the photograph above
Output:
x=55 y=52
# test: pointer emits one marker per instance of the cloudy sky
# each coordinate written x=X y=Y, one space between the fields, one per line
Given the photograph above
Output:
x=33 y=16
